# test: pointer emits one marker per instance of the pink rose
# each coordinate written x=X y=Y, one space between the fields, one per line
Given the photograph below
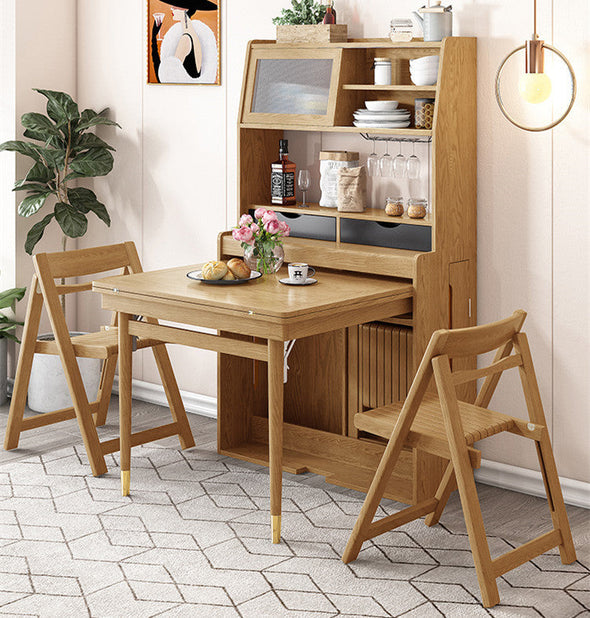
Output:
x=246 y=220
x=255 y=229
x=269 y=215
x=272 y=226
x=284 y=229
x=243 y=234
x=259 y=213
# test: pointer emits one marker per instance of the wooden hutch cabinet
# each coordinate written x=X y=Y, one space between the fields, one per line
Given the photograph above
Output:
x=315 y=89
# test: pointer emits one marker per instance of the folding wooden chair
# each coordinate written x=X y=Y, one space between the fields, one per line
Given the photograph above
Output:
x=440 y=424
x=102 y=345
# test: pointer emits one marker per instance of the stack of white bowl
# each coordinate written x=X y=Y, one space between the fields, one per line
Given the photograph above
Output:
x=424 y=71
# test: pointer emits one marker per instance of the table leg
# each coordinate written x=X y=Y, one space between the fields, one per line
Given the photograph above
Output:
x=275 y=433
x=125 y=369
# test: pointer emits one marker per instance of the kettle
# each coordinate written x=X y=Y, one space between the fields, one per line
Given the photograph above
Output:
x=437 y=22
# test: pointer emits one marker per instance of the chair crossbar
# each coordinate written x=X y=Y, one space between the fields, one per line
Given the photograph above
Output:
x=514 y=558
x=404 y=516
x=470 y=375
x=55 y=416
x=141 y=437
x=73 y=288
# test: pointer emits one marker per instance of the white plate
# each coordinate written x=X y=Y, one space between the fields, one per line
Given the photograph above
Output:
x=381 y=125
x=196 y=275
x=395 y=112
x=308 y=281
x=382 y=117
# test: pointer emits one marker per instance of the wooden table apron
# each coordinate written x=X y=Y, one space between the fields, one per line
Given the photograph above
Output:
x=262 y=309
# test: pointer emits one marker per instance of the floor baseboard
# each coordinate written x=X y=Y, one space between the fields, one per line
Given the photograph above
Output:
x=493 y=473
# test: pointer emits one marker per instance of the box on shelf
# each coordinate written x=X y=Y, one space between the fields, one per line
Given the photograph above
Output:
x=320 y=33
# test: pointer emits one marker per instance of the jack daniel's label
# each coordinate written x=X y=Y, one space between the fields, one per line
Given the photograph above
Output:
x=282 y=184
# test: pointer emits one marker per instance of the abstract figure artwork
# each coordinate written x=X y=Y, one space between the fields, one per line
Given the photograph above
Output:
x=183 y=42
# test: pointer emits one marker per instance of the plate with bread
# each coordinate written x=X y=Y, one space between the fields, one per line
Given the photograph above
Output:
x=232 y=272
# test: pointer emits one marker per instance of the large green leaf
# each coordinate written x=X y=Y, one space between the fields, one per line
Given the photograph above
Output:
x=89 y=118
x=6 y=332
x=86 y=201
x=23 y=185
x=89 y=140
x=39 y=124
x=32 y=203
x=73 y=223
x=39 y=173
x=9 y=296
x=36 y=232
x=94 y=162
x=55 y=157
x=60 y=106
x=24 y=148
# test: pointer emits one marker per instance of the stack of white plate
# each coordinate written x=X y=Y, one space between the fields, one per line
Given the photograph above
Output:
x=381 y=115
x=424 y=71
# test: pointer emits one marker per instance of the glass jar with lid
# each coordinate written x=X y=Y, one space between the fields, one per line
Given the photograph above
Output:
x=394 y=206
x=401 y=30
x=382 y=68
x=417 y=207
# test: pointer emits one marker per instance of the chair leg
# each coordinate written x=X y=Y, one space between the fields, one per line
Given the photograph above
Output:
x=104 y=392
x=23 y=370
x=185 y=435
x=447 y=486
x=559 y=516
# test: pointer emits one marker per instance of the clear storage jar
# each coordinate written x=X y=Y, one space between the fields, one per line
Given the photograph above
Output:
x=423 y=113
x=401 y=30
x=417 y=208
x=394 y=206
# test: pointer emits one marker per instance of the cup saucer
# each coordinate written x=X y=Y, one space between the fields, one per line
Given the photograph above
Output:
x=308 y=281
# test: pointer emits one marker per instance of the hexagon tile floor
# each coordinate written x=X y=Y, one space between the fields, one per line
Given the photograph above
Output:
x=193 y=540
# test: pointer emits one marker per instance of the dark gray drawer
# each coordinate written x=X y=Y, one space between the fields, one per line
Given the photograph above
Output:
x=385 y=234
x=310 y=226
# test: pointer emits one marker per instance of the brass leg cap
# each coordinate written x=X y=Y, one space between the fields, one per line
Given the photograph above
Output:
x=125 y=482
x=276 y=528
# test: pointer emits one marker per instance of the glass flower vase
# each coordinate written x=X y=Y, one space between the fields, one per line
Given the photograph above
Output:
x=264 y=260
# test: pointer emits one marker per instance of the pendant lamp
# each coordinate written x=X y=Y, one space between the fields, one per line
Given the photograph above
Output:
x=534 y=85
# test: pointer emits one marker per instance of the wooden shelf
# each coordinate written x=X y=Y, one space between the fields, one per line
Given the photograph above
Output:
x=392 y=88
x=380 y=43
x=330 y=129
x=370 y=214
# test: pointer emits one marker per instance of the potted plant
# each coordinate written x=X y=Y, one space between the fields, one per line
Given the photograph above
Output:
x=63 y=149
x=7 y=327
x=302 y=23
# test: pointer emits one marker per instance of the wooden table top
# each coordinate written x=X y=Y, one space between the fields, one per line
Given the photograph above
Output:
x=264 y=296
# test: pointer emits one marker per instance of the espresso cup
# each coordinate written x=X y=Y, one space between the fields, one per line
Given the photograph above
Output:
x=298 y=272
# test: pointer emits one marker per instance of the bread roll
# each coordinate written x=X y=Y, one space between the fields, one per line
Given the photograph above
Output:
x=229 y=276
x=213 y=270
x=239 y=268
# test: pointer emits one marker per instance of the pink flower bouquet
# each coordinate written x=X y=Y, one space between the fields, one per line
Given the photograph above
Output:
x=261 y=237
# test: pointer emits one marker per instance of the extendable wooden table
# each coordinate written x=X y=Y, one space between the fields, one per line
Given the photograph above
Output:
x=265 y=311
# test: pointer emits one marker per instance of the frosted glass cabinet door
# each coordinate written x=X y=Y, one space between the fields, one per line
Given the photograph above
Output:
x=290 y=89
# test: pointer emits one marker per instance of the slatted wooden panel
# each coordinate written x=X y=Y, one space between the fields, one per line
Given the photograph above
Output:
x=380 y=366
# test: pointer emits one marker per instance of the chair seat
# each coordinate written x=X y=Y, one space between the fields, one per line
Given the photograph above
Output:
x=478 y=423
x=101 y=344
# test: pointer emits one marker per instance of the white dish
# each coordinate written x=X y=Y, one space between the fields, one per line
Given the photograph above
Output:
x=381 y=117
x=196 y=275
x=419 y=80
x=424 y=61
x=308 y=281
x=381 y=106
x=381 y=125
x=396 y=112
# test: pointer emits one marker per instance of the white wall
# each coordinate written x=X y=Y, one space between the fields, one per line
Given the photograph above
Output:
x=174 y=185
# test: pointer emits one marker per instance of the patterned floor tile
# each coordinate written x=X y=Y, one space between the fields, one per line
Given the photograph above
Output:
x=193 y=540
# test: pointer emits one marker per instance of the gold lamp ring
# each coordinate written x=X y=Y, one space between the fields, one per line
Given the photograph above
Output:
x=501 y=103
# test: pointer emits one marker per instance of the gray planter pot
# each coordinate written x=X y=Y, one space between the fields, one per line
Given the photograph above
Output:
x=48 y=389
x=3 y=370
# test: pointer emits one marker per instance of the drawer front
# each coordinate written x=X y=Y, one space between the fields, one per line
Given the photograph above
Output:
x=310 y=226
x=385 y=234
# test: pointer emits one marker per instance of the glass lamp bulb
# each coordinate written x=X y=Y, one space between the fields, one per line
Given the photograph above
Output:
x=534 y=87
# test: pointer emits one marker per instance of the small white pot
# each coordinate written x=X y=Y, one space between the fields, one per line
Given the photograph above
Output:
x=48 y=389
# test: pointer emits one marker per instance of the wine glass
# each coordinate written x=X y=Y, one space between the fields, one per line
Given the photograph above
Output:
x=304 y=182
x=399 y=164
x=373 y=162
x=413 y=164
x=386 y=162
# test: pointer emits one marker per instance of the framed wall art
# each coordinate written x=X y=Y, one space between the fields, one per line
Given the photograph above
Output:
x=183 y=41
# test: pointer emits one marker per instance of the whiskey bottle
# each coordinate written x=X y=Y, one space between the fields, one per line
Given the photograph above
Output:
x=330 y=16
x=282 y=179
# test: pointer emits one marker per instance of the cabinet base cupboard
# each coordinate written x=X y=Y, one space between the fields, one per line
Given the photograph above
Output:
x=315 y=89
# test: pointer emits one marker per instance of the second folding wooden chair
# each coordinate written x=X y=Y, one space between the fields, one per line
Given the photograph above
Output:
x=103 y=345
x=441 y=424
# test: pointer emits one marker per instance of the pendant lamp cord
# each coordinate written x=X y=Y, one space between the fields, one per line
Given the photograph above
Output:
x=535 y=35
